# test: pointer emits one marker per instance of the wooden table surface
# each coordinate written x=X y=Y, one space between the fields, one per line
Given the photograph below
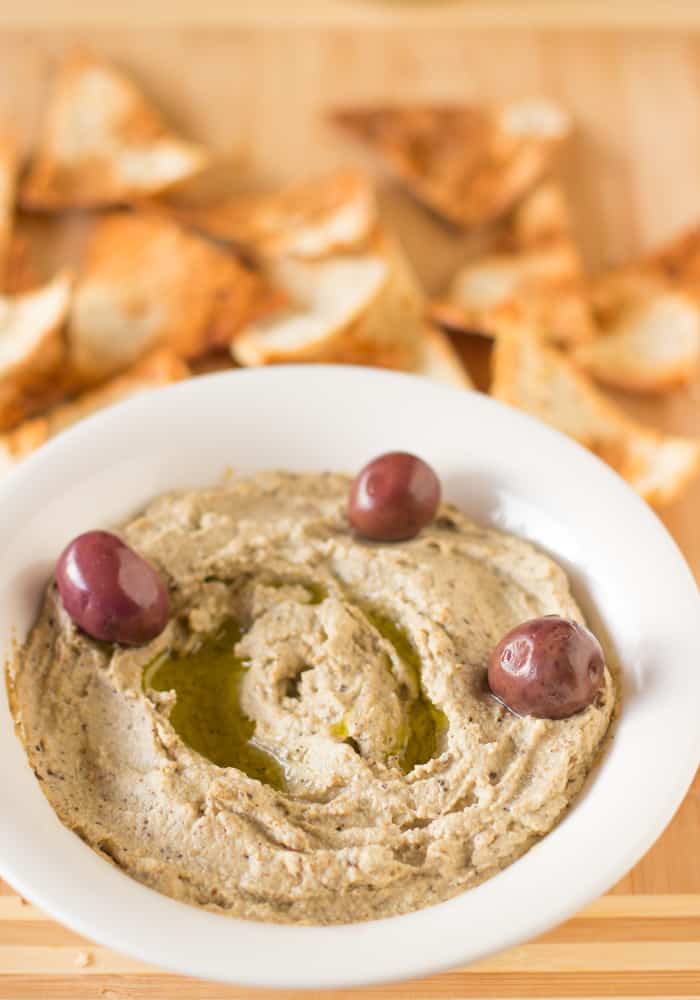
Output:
x=633 y=172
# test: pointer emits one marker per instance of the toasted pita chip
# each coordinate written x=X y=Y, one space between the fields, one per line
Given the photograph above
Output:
x=651 y=345
x=103 y=143
x=675 y=266
x=648 y=314
x=314 y=219
x=327 y=298
x=145 y=283
x=8 y=177
x=159 y=368
x=32 y=349
x=469 y=164
x=536 y=264
x=538 y=379
x=439 y=360
x=357 y=309
x=542 y=219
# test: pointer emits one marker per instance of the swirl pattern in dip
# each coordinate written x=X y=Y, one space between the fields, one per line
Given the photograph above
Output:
x=382 y=775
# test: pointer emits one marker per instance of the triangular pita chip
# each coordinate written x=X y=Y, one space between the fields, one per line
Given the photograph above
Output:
x=467 y=163
x=438 y=360
x=103 y=143
x=648 y=313
x=536 y=264
x=327 y=299
x=675 y=265
x=649 y=343
x=536 y=378
x=8 y=178
x=314 y=219
x=159 y=368
x=147 y=282
x=361 y=308
x=32 y=349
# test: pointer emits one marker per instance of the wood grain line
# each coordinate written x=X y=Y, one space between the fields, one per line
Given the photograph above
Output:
x=599 y=957
x=552 y=986
x=641 y=928
x=603 y=956
x=661 y=906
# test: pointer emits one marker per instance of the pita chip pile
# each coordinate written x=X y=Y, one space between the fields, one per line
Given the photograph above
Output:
x=535 y=377
x=635 y=329
x=176 y=274
x=536 y=261
x=556 y=330
x=166 y=287
x=349 y=293
x=360 y=307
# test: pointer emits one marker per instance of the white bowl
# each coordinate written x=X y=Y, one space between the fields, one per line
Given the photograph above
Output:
x=500 y=466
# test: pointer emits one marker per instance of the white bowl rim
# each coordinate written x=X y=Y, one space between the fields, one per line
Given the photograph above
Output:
x=114 y=910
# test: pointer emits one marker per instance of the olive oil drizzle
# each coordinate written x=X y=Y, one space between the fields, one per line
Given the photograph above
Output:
x=418 y=740
x=208 y=717
x=207 y=714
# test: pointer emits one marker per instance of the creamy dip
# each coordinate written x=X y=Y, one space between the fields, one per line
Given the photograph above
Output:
x=311 y=739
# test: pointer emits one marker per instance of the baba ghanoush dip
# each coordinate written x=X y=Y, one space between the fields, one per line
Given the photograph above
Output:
x=311 y=737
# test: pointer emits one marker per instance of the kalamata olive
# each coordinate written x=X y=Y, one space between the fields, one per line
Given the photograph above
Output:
x=393 y=497
x=109 y=591
x=547 y=667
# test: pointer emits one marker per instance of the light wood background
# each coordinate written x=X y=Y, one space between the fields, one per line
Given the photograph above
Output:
x=256 y=77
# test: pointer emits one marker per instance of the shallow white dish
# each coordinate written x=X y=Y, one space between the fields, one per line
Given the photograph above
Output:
x=500 y=466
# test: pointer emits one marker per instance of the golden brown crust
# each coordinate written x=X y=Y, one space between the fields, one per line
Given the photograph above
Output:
x=147 y=282
x=649 y=331
x=380 y=322
x=316 y=218
x=160 y=368
x=103 y=143
x=536 y=378
x=469 y=164
x=33 y=350
x=534 y=263
x=644 y=354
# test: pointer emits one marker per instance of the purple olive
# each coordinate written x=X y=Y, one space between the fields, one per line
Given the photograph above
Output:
x=109 y=591
x=393 y=497
x=548 y=667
